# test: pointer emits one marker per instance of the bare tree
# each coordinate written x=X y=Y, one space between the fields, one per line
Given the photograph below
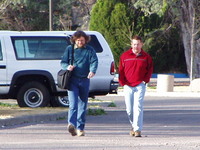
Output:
x=81 y=13
x=22 y=15
x=187 y=14
x=190 y=27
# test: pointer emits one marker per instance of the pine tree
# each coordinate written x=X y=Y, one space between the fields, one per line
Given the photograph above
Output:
x=109 y=17
x=120 y=30
x=100 y=16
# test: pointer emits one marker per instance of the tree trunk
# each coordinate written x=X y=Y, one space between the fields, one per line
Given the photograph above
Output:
x=189 y=20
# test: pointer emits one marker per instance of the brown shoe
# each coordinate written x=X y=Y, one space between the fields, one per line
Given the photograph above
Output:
x=138 y=134
x=132 y=133
x=72 y=130
x=80 y=133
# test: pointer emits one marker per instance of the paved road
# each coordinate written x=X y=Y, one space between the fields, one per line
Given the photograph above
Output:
x=170 y=123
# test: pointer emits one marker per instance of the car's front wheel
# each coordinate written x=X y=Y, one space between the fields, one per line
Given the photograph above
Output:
x=33 y=94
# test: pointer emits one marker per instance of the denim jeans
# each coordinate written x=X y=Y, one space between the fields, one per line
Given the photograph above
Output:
x=134 y=97
x=78 y=99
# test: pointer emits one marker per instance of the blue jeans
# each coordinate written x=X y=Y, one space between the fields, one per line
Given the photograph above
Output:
x=78 y=99
x=134 y=97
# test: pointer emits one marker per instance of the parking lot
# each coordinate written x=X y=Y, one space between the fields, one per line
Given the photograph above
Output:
x=169 y=123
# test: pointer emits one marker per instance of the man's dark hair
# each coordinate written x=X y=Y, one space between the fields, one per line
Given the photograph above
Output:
x=137 y=38
x=79 y=34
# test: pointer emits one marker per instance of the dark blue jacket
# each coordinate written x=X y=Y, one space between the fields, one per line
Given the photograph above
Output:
x=85 y=61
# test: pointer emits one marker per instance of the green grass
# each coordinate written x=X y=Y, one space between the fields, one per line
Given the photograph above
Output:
x=95 y=100
x=112 y=105
x=152 y=87
x=96 y=112
x=61 y=118
x=120 y=87
x=94 y=105
x=7 y=105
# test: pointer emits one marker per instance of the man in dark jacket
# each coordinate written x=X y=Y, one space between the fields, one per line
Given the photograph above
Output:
x=83 y=69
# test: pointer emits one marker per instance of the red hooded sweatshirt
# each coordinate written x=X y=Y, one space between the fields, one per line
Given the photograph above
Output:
x=135 y=69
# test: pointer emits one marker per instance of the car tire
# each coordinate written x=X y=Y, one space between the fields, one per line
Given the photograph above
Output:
x=33 y=94
x=60 y=101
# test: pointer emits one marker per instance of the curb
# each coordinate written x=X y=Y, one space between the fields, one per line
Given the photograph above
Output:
x=39 y=118
x=173 y=94
x=169 y=94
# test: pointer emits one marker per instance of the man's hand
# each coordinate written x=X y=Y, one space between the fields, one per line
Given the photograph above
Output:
x=70 y=67
x=90 y=75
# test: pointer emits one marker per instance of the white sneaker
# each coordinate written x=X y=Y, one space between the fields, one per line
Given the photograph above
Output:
x=80 y=133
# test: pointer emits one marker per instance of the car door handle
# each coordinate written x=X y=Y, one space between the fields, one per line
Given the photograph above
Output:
x=2 y=66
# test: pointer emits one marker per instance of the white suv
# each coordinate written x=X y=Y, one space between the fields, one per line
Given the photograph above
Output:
x=29 y=62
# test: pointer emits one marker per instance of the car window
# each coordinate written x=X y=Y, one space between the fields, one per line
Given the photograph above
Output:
x=27 y=47
x=94 y=42
x=39 y=47
x=1 y=56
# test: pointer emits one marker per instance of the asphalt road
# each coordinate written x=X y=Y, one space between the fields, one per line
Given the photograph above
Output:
x=170 y=123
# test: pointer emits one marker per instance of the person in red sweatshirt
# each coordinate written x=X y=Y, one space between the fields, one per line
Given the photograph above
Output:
x=135 y=70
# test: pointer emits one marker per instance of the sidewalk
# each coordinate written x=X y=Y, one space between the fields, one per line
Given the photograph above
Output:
x=10 y=116
x=181 y=89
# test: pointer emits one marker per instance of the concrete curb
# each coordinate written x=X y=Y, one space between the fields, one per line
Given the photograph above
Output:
x=169 y=94
x=39 y=118
x=173 y=94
